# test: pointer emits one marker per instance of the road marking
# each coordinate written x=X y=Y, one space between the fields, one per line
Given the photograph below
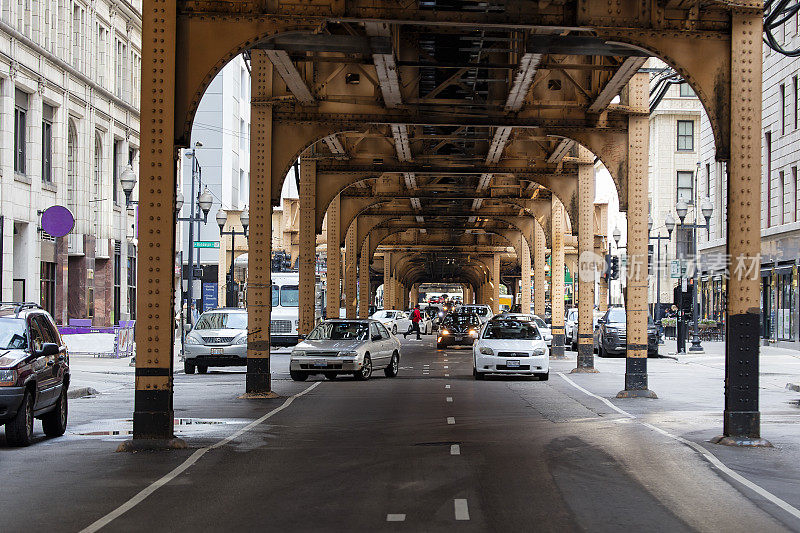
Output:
x=450 y=399
x=446 y=366
x=150 y=489
x=707 y=455
x=455 y=449
x=451 y=420
x=395 y=517
x=462 y=510
x=447 y=375
x=447 y=386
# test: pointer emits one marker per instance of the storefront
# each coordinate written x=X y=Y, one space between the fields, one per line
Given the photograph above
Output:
x=779 y=310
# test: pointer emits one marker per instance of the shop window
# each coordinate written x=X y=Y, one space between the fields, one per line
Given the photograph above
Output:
x=47 y=291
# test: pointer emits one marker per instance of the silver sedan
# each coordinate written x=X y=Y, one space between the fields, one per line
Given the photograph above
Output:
x=355 y=347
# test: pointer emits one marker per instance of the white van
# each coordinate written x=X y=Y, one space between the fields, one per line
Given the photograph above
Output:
x=285 y=308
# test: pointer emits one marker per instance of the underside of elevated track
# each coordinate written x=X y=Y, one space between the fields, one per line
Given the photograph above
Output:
x=449 y=141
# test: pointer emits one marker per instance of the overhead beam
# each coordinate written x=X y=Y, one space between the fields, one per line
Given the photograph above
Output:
x=385 y=65
x=290 y=75
x=619 y=80
x=561 y=150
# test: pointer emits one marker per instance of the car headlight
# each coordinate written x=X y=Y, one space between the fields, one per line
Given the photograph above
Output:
x=298 y=353
x=538 y=351
x=192 y=340
x=486 y=351
x=348 y=354
x=8 y=376
x=242 y=340
x=473 y=333
x=445 y=332
x=297 y=323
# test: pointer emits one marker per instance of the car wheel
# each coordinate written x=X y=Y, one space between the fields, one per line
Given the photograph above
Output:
x=544 y=377
x=331 y=375
x=298 y=376
x=477 y=375
x=366 y=369
x=394 y=329
x=54 y=423
x=600 y=352
x=202 y=369
x=188 y=368
x=653 y=353
x=394 y=366
x=19 y=430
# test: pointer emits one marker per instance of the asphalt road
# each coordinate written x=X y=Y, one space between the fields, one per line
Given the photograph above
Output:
x=430 y=450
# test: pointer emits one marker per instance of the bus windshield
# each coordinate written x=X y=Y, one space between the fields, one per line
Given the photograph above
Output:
x=290 y=296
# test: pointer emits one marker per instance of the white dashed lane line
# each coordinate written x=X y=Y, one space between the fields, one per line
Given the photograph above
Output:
x=447 y=386
x=451 y=420
x=461 y=508
x=455 y=449
x=395 y=518
x=449 y=399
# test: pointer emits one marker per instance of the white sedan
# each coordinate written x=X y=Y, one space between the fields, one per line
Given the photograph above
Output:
x=544 y=329
x=355 y=347
x=511 y=344
x=395 y=321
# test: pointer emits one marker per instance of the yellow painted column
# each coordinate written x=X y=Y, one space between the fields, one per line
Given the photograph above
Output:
x=387 y=280
x=334 y=253
x=586 y=269
x=495 y=283
x=539 y=245
x=350 y=272
x=363 y=281
x=308 y=245
x=557 y=280
x=525 y=276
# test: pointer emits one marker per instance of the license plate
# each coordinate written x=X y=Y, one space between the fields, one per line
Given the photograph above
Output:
x=320 y=363
x=459 y=337
x=512 y=363
x=216 y=351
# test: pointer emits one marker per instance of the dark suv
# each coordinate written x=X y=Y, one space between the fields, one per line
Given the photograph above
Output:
x=34 y=373
x=458 y=327
x=610 y=335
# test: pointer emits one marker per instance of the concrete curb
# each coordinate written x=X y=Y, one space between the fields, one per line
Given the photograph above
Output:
x=793 y=386
x=81 y=392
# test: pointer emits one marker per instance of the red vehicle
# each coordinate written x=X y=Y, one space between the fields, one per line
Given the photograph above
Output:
x=34 y=373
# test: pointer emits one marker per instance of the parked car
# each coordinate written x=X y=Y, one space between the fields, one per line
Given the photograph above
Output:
x=393 y=320
x=571 y=328
x=511 y=344
x=458 y=328
x=34 y=373
x=219 y=338
x=610 y=337
x=483 y=311
x=544 y=329
x=354 y=347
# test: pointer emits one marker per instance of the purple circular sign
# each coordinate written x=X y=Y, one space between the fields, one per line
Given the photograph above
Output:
x=57 y=221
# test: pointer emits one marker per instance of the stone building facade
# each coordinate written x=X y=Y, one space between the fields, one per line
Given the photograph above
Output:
x=69 y=125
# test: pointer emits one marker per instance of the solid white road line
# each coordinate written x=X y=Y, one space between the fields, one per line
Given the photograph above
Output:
x=150 y=489
x=395 y=518
x=707 y=455
x=451 y=420
x=455 y=449
x=450 y=399
x=462 y=510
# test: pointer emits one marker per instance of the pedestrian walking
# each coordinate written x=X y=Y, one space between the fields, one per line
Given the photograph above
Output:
x=416 y=316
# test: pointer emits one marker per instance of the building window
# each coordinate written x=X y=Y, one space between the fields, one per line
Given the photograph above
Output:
x=72 y=168
x=78 y=35
x=686 y=90
x=120 y=69
x=116 y=172
x=708 y=180
x=781 y=197
x=47 y=291
x=768 y=146
x=89 y=293
x=136 y=67
x=100 y=55
x=685 y=135
x=97 y=184
x=20 y=122
x=132 y=287
x=783 y=109
x=796 y=185
x=685 y=184
x=47 y=144
x=117 y=282
x=794 y=86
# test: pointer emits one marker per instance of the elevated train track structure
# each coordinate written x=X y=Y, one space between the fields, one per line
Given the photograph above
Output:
x=454 y=140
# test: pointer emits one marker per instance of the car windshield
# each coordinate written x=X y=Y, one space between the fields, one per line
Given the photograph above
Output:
x=616 y=315
x=480 y=311
x=290 y=296
x=275 y=296
x=338 y=331
x=386 y=314
x=511 y=329
x=12 y=334
x=222 y=321
x=461 y=319
x=539 y=322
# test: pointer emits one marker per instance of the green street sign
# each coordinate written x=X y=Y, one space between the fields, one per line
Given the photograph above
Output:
x=677 y=269
x=206 y=244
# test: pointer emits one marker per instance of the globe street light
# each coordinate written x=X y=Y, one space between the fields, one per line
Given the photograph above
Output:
x=231 y=299
x=128 y=182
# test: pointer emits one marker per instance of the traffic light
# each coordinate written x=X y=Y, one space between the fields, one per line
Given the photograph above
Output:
x=606 y=268
x=613 y=271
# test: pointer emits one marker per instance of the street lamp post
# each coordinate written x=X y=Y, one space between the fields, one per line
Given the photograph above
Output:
x=222 y=218
x=617 y=234
x=707 y=208
x=669 y=223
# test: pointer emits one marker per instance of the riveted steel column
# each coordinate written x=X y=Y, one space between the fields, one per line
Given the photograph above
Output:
x=414 y=295
x=602 y=285
x=387 y=281
x=636 y=271
x=259 y=280
x=334 y=253
x=525 y=276
x=363 y=281
x=539 y=244
x=350 y=272
x=557 y=280
x=308 y=245
x=153 y=413
x=496 y=283
x=742 y=419
x=586 y=263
